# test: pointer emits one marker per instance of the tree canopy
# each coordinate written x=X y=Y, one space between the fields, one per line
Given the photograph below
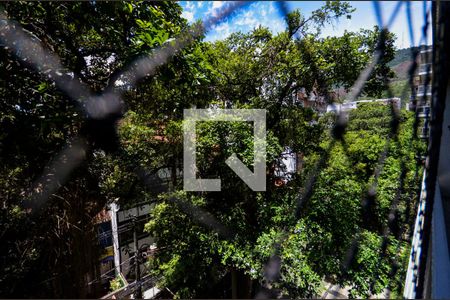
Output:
x=96 y=41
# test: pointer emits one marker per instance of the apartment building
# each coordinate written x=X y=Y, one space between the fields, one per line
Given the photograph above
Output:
x=421 y=95
x=348 y=106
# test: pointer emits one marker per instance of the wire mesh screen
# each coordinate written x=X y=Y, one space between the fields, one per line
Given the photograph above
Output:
x=101 y=108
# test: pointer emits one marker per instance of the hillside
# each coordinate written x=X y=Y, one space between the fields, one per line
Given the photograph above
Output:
x=401 y=65
x=402 y=62
x=401 y=70
x=401 y=56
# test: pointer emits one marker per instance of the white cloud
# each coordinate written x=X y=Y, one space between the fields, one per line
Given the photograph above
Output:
x=188 y=15
x=214 y=9
x=189 y=11
x=365 y=17
x=246 y=19
x=260 y=14
x=267 y=14
x=257 y=14
x=224 y=28
x=271 y=8
x=221 y=31
x=190 y=5
x=277 y=26
x=217 y=4
x=199 y=4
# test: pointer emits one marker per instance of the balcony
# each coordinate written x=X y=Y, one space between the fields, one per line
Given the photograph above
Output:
x=428 y=50
x=426 y=56
x=423 y=111
x=423 y=90
x=425 y=69
x=424 y=132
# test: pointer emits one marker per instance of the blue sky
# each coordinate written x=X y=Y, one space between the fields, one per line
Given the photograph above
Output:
x=266 y=13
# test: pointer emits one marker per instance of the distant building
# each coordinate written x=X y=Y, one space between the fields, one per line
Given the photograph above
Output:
x=348 y=106
x=285 y=167
x=116 y=244
x=311 y=100
x=116 y=226
x=102 y=223
x=122 y=228
x=421 y=96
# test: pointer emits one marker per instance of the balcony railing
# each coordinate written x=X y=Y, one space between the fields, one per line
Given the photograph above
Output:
x=424 y=132
x=425 y=69
x=423 y=111
x=423 y=90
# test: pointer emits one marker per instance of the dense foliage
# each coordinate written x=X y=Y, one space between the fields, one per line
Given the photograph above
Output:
x=402 y=55
x=52 y=252
x=56 y=248
x=342 y=187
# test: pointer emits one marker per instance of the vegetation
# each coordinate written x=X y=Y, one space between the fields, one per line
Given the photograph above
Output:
x=49 y=252
x=403 y=55
x=399 y=85
x=337 y=204
x=54 y=246
x=116 y=283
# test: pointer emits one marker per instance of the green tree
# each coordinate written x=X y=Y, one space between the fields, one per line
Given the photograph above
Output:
x=336 y=204
x=95 y=40
x=50 y=253
x=259 y=70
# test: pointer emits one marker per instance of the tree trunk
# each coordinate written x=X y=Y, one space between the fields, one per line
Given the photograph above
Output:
x=241 y=285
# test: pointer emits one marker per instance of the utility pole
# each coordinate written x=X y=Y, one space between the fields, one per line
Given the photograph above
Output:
x=138 y=293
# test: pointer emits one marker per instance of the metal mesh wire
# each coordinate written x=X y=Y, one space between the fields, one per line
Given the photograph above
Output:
x=25 y=45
